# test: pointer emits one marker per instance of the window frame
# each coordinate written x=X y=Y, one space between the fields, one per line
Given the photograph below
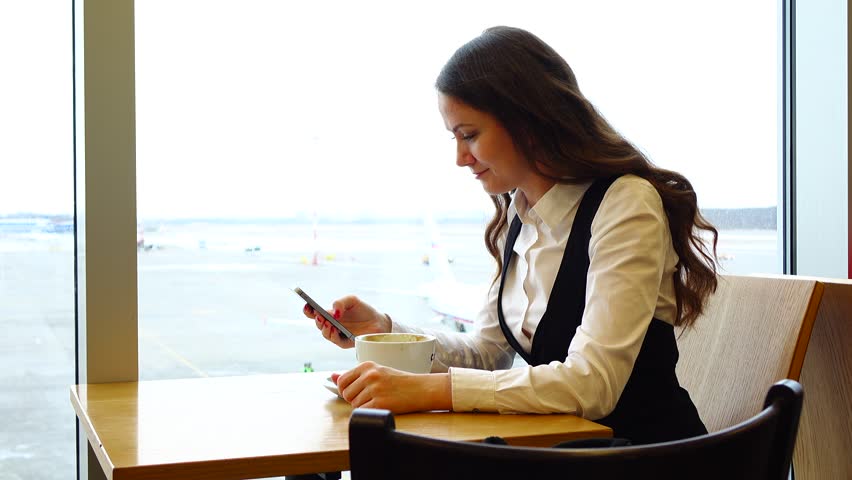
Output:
x=106 y=333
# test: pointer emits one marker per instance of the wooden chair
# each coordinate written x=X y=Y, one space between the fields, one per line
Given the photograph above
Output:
x=758 y=448
x=754 y=331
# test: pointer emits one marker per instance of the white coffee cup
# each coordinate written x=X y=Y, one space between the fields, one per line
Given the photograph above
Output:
x=410 y=352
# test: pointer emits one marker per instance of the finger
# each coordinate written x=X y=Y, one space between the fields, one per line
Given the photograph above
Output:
x=356 y=394
x=363 y=396
x=333 y=335
x=334 y=377
x=344 y=304
x=343 y=379
x=373 y=403
x=345 y=342
x=308 y=311
x=350 y=387
x=326 y=330
x=346 y=378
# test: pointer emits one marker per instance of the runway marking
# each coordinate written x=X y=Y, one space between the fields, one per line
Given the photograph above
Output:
x=177 y=356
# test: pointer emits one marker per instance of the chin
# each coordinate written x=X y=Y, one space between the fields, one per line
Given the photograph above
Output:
x=495 y=191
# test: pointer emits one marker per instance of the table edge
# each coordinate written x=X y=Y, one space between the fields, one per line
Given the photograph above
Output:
x=92 y=437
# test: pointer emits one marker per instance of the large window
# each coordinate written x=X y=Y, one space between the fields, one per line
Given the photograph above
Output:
x=290 y=144
x=682 y=81
x=37 y=433
x=282 y=144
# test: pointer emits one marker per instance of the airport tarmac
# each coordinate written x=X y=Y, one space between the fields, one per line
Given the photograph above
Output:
x=215 y=301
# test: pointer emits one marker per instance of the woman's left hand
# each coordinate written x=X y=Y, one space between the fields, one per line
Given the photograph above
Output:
x=372 y=385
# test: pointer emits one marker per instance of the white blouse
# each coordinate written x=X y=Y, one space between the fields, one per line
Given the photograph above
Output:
x=630 y=281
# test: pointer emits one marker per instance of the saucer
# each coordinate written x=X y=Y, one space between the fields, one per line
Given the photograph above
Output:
x=331 y=387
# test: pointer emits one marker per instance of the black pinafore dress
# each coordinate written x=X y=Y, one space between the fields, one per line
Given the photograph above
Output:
x=653 y=406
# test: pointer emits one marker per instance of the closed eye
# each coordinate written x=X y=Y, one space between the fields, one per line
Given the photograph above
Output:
x=467 y=137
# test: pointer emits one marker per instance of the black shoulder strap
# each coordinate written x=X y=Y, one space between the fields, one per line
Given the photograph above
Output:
x=575 y=250
x=567 y=300
x=508 y=253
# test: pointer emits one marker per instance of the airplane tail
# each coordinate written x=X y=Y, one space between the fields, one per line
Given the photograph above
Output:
x=437 y=257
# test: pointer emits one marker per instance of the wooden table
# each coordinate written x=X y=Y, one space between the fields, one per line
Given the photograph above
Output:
x=262 y=425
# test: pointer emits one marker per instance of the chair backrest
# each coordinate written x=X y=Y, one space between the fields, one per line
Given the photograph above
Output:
x=759 y=448
x=754 y=331
x=825 y=431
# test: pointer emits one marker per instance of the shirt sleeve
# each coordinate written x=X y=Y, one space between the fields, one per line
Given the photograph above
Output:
x=485 y=348
x=627 y=252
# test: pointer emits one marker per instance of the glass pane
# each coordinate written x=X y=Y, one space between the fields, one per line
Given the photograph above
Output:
x=287 y=144
x=37 y=439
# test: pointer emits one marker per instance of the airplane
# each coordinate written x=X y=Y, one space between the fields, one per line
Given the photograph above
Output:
x=456 y=303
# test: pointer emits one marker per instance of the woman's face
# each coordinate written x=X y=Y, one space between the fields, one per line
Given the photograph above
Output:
x=483 y=145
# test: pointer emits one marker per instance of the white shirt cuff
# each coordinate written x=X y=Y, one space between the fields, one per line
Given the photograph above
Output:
x=473 y=390
x=401 y=328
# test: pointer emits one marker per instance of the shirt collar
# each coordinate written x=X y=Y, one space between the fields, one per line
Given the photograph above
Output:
x=552 y=207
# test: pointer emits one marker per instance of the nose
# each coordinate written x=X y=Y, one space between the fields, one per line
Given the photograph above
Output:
x=463 y=155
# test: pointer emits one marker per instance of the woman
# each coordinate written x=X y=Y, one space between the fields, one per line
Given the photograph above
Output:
x=599 y=256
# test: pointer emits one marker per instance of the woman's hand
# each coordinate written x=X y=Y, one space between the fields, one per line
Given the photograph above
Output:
x=375 y=386
x=355 y=315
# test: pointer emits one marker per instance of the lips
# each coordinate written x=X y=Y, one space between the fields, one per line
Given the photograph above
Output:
x=479 y=174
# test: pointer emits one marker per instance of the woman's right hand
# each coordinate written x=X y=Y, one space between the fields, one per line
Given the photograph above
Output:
x=357 y=316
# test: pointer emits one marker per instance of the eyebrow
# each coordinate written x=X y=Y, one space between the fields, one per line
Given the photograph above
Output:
x=459 y=126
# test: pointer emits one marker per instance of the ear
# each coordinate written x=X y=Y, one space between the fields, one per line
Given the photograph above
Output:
x=530 y=140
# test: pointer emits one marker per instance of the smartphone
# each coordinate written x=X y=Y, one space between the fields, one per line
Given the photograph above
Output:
x=343 y=331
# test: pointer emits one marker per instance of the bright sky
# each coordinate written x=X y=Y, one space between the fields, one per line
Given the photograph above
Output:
x=270 y=108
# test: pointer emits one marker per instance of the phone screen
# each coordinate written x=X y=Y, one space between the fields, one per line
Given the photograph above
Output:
x=344 y=332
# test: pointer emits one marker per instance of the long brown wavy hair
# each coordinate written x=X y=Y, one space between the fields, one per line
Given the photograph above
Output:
x=514 y=76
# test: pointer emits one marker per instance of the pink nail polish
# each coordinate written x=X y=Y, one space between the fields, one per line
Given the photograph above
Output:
x=337 y=314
